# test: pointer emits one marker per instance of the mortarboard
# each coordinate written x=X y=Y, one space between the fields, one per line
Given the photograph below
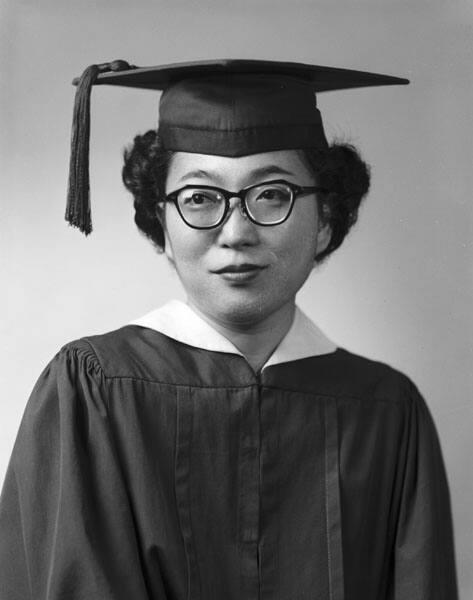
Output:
x=223 y=107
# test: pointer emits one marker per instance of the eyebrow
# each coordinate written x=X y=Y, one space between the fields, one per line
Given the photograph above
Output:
x=254 y=174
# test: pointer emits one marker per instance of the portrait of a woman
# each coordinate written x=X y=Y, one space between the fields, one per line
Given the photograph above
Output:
x=225 y=447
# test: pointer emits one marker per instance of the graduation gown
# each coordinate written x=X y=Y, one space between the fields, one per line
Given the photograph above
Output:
x=153 y=464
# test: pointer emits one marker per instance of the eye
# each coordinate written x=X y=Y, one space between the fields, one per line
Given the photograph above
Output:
x=198 y=198
x=272 y=194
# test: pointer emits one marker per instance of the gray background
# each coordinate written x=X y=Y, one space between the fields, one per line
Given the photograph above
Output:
x=399 y=290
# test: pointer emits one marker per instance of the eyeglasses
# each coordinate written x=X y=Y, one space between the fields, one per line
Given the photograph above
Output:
x=269 y=203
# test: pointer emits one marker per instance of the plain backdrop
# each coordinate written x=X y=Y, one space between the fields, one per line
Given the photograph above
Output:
x=401 y=287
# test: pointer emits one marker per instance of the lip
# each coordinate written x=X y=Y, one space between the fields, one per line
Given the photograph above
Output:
x=240 y=268
x=240 y=273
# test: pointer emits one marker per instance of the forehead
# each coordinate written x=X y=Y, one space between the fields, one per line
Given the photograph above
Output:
x=241 y=170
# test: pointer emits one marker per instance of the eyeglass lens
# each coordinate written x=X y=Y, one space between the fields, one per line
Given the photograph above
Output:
x=266 y=204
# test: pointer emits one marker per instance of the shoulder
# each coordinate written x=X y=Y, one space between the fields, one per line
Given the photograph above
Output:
x=345 y=374
x=79 y=374
x=136 y=352
x=369 y=375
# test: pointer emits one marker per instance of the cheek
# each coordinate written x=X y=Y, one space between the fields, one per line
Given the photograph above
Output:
x=298 y=258
x=293 y=262
x=297 y=247
x=184 y=246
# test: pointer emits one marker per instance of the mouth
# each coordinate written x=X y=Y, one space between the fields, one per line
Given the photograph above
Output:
x=240 y=273
x=241 y=268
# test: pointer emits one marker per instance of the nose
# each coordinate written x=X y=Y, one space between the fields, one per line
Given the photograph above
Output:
x=237 y=230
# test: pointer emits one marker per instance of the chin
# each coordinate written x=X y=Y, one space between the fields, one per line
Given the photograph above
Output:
x=245 y=313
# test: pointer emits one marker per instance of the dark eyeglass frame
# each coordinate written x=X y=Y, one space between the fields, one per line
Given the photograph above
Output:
x=296 y=191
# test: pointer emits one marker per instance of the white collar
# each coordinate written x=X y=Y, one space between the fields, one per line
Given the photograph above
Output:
x=177 y=320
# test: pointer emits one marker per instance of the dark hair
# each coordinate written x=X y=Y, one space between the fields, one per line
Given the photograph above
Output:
x=339 y=169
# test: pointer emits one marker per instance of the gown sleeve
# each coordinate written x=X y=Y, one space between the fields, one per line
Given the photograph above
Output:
x=66 y=528
x=424 y=562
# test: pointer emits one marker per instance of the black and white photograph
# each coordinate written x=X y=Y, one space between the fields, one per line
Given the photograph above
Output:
x=237 y=268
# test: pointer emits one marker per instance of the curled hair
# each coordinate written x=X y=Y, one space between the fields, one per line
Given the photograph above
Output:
x=339 y=170
x=345 y=177
x=144 y=175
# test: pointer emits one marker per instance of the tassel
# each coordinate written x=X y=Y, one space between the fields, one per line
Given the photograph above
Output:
x=78 y=200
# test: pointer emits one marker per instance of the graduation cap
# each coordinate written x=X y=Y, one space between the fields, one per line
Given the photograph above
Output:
x=221 y=107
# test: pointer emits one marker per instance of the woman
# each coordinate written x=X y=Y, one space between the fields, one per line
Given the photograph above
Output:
x=225 y=447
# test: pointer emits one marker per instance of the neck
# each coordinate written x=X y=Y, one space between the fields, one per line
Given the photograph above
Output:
x=256 y=341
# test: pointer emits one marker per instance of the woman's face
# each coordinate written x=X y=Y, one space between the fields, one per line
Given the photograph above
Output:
x=280 y=257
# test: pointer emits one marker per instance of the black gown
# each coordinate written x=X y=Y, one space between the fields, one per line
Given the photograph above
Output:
x=148 y=469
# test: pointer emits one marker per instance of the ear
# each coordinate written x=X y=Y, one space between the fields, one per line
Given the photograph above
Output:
x=324 y=235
